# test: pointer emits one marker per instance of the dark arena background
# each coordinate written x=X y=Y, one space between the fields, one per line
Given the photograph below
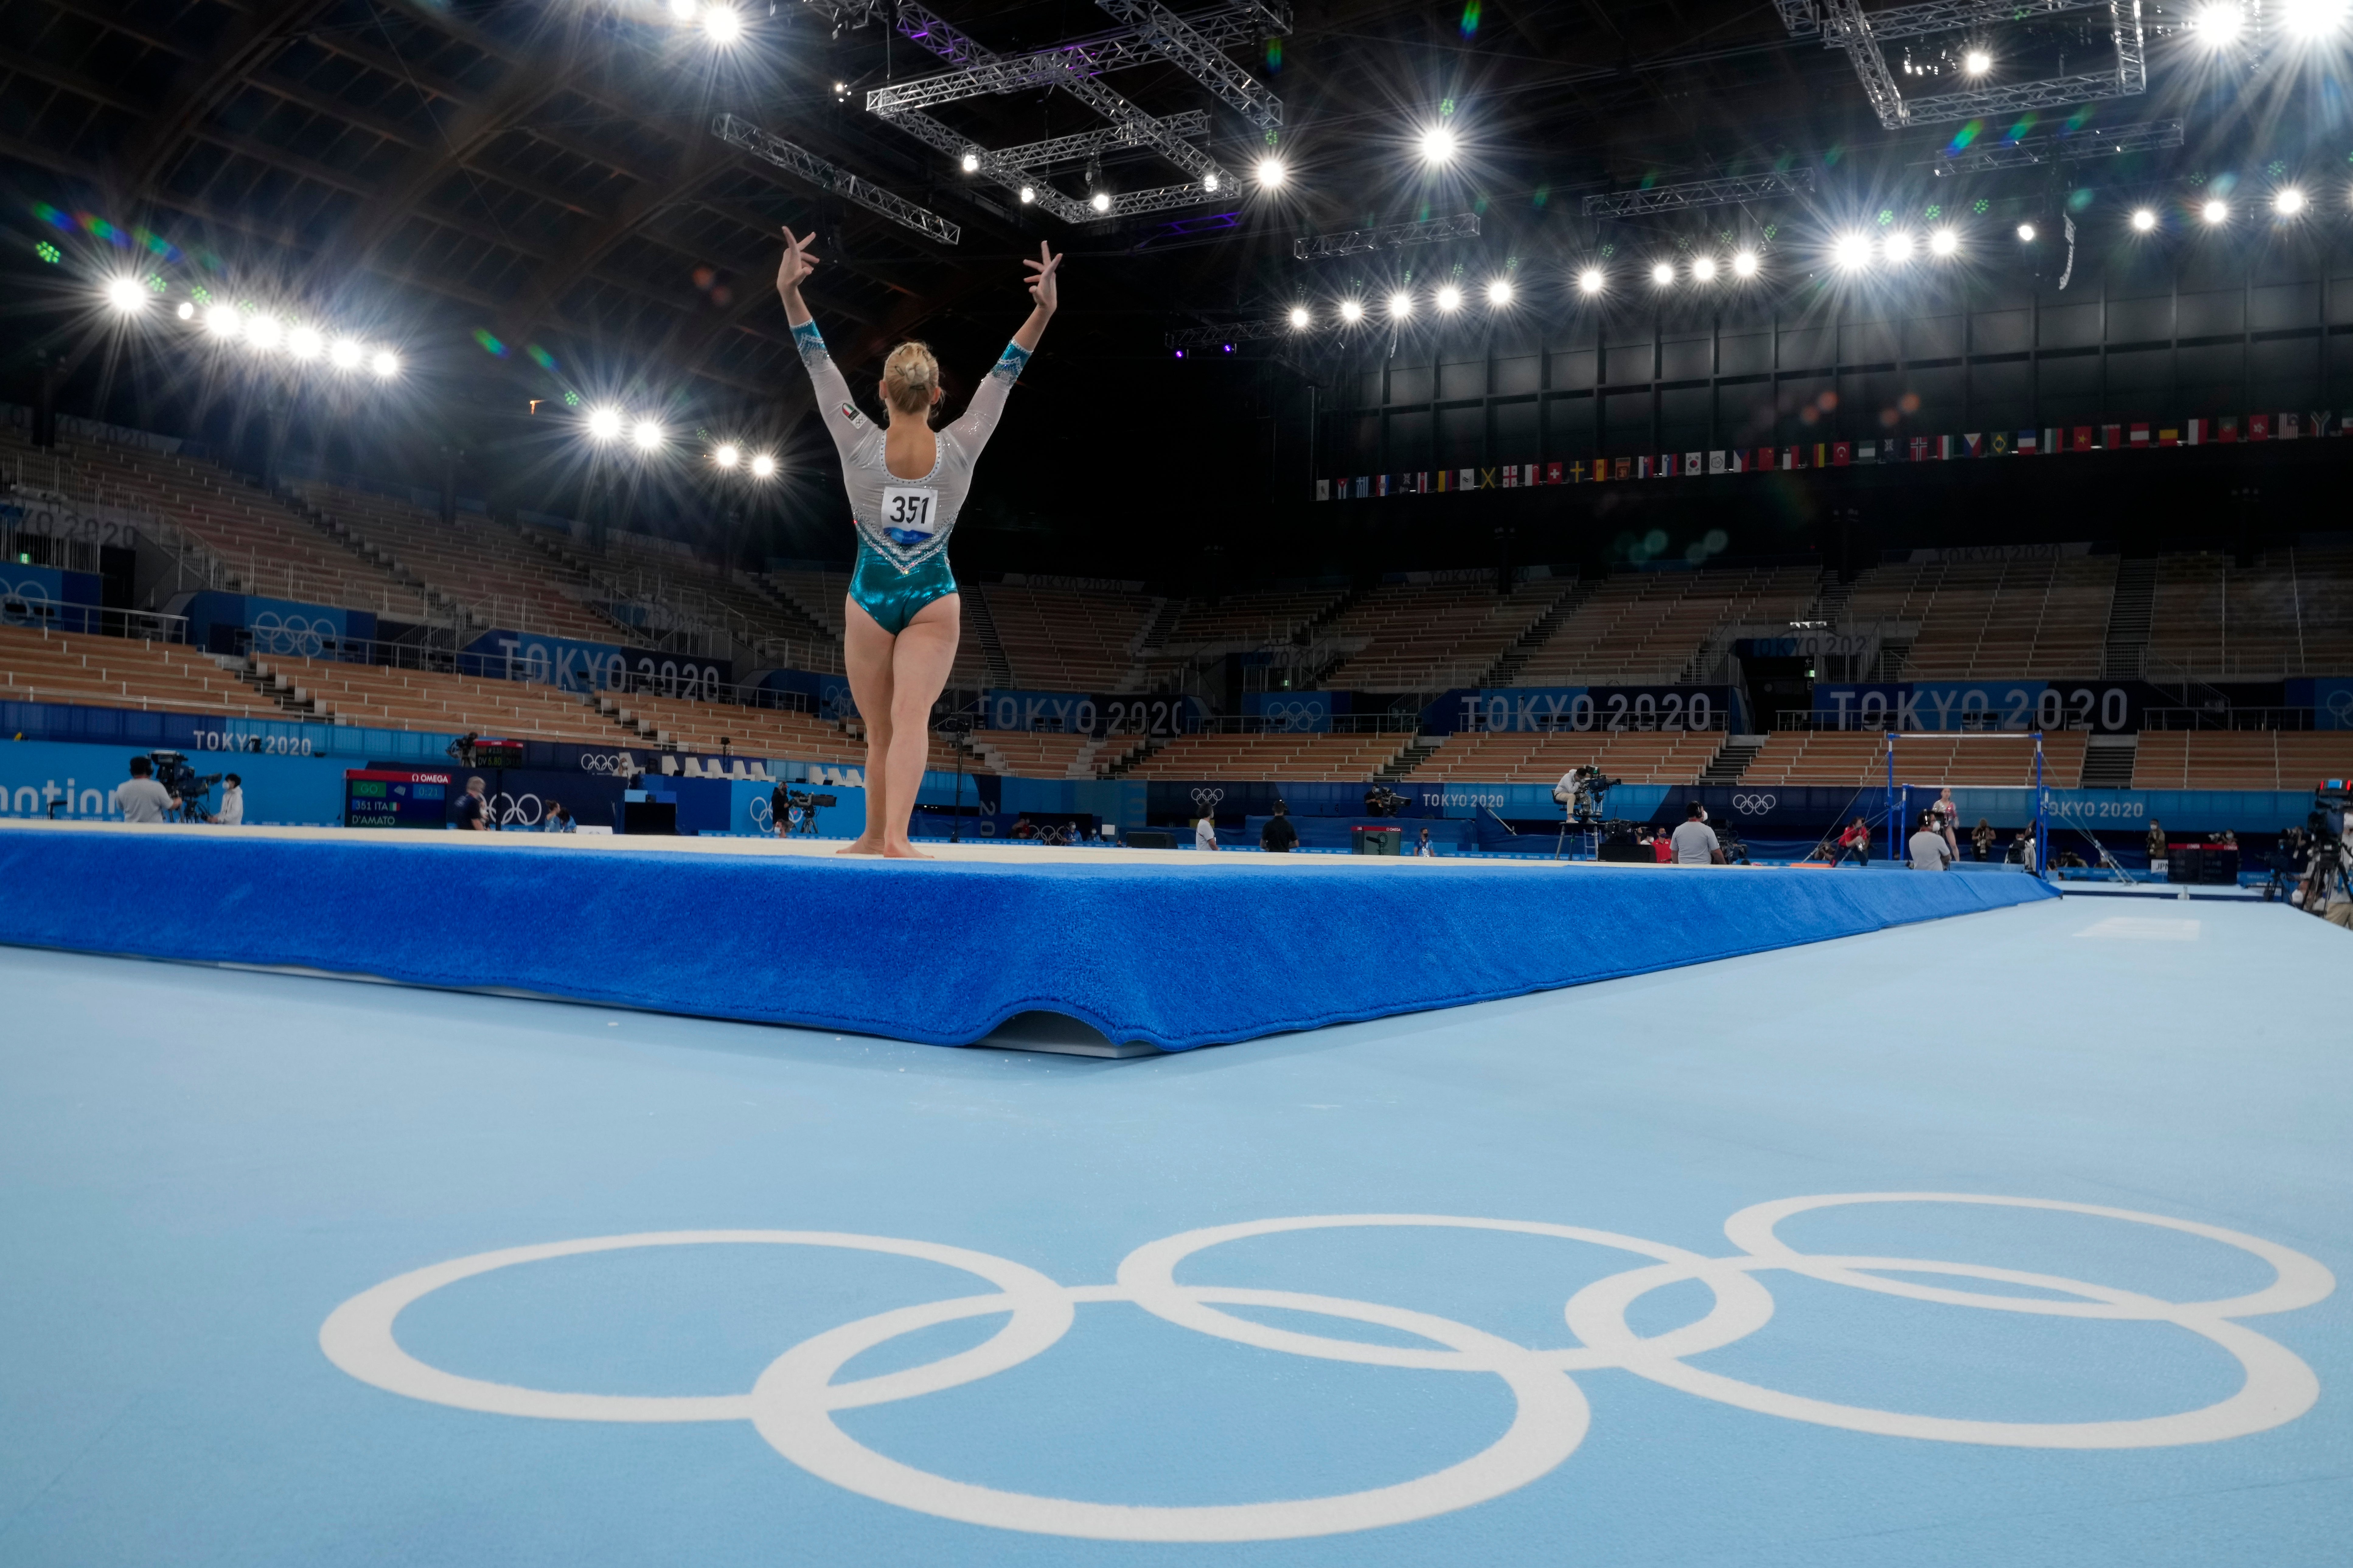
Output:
x=1613 y=831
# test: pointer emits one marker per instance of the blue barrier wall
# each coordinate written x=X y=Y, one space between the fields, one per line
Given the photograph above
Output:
x=277 y=789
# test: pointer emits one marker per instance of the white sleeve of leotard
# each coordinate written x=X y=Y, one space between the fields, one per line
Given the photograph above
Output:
x=850 y=427
x=981 y=415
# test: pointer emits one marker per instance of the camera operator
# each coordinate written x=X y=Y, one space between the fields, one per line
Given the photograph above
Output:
x=232 y=805
x=140 y=798
x=473 y=811
x=2327 y=892
x=1694 y=843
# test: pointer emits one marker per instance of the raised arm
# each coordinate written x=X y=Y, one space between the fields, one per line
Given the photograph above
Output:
x=833 y=399
x=980 y=416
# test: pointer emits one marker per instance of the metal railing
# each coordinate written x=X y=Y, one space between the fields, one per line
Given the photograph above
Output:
x=2228 y=719
x=92 y=620
x=1337 y=725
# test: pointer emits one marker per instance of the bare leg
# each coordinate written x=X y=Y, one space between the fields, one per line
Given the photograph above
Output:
x=866 y=651
x=919 y=670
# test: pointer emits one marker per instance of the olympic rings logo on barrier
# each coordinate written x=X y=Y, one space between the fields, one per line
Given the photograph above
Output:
x=25 y=604
x=793 y=1402
x=763 y=816
x=2340 y=706
x=608 y=763
x=1753 y=804
x=1293 y=716
x=508 y=810
x=292 y=635
x=1205 y=798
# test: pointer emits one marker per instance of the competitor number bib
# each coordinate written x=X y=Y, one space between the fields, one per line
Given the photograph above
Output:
x=910 y=514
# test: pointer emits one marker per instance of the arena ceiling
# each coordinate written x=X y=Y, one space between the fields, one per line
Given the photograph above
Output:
x=529 y=198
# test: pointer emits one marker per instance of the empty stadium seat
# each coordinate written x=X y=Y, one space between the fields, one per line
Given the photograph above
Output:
x=2045 y=617
x=1645 y=628
x=1304 y=759
x=1431 y=637
x=40 y=665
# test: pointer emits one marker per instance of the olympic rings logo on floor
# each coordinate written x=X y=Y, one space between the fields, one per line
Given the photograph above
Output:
x=1753 y=804
x=792 y=1404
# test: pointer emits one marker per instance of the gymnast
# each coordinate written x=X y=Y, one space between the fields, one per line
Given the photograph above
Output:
x=906 y=484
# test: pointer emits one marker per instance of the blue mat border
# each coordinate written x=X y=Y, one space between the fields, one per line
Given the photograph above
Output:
x=941 y=951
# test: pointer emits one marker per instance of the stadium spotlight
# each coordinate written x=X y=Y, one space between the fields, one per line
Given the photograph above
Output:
x=1300 y=318
x=1351 y=311
x=2311 y=19
x=126 y=295
x=185 y=311
x=2288 y=203
x=1591 y=281
x=603 y=422
x=344 y=354
x=764 y=466
x=386 y=364
x=1400 y=304
x=2026 y=233
x=2219 y=24
x=646 y=436
x=1101 y=201
x=971 y=162
x=1851 y=251
x=1704 y=268
x=1209 y=182
x=1450 y=297
x=1500 y=291
x=1896 y=247
x=222 y=322
x=1436 y=144
x=1270 y=173
x=1976 y=62
x=304 y=343
x=2217 y=211
x=724 y=24
x=2143 y=220
x=1744 y=263
x=1945 y=242
x=1028 y=194
x=1663 y=274
x=264 y=331
x=726 y=455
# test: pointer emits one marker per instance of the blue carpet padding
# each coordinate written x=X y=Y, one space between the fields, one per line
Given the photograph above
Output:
x=938 y=951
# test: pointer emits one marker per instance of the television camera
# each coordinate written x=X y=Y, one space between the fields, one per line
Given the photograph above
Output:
x=801 y=807
x=1382 y=801
x=1583 y=793
x=2330 y=860
x=171 y=770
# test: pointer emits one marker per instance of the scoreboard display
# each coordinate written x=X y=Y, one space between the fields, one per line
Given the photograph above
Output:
x=382 y=797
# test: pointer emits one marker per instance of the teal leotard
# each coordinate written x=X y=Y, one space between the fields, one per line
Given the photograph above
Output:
x=891 y=596
x=904 y=524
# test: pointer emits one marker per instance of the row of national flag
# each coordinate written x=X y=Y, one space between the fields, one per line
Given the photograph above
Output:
x=2224 y=431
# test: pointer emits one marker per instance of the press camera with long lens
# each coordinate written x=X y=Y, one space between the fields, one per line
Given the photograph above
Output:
x=171 y=770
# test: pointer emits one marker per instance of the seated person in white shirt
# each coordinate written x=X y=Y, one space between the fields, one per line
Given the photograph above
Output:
x=140 y=798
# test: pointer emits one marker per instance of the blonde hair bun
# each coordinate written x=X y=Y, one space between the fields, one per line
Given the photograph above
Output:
x=910 y=376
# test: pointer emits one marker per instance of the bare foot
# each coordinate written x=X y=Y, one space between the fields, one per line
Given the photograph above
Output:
x=863 y=846
x=904 y=852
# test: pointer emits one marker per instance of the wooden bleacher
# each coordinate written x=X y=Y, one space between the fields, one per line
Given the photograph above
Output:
x=1836 y=758
x=1643 y=628
x=1301 y=759
x=41 y=666
x=1668 y=757
x=2047 y=617
x=1429 y=636
x=2241 y=759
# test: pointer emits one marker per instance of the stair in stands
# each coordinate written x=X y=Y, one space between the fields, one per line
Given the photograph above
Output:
x=1119 y=766
x=787 y=606
x=1402 y=765
x=1000 y=669
x=375 y=555
x=1892 y=652
x=275 y=688
x=1507 y=665
x=2129 y=619
x=2109 y=761
x=1166 y=609
x=1731 y=760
